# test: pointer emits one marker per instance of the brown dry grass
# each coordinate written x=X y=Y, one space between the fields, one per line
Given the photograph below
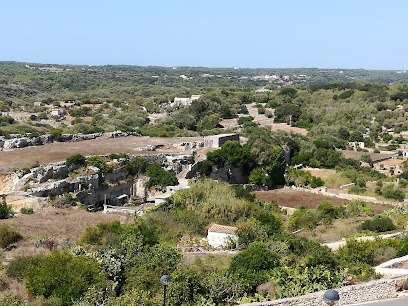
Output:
x=339 y=229
x=67 y=223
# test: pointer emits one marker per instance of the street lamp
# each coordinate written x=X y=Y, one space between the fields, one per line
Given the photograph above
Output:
x=331 y=296
x=165 y=279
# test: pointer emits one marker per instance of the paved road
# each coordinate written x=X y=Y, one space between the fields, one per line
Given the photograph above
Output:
x=401 y=301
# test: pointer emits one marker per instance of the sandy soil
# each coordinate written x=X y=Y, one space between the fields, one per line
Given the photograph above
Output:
x=54 y=152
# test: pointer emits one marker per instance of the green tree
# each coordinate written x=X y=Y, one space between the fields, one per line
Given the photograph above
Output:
x=160 y=178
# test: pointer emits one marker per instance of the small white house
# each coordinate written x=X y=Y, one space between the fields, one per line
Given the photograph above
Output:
x=221 y=235
x=356 y=145
x=57 y=112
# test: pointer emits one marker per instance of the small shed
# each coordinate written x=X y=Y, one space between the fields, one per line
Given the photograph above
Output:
x=221 y=235
x=216 y=141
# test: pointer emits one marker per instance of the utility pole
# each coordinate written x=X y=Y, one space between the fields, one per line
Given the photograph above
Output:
x=290 y=120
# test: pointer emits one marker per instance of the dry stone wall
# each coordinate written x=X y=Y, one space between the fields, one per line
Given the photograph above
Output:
x=365 y=292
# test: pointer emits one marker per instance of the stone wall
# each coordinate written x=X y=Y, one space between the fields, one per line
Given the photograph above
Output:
x=365 y=292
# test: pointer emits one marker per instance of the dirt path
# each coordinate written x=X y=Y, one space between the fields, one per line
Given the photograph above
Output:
x=59 y=151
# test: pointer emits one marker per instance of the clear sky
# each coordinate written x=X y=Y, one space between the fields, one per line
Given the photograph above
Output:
x=371 y=34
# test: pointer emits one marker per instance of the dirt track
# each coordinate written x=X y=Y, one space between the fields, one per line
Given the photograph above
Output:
x=54 y=152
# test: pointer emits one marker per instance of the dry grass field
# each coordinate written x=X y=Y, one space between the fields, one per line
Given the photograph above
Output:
x=60 y=223
x=59 y=151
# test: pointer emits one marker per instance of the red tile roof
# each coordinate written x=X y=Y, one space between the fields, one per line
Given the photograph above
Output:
x=217 y=228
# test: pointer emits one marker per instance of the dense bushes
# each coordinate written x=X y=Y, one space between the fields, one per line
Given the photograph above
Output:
x=380 y=223
x=251 y=265
x=8 y=236
x=61 y=275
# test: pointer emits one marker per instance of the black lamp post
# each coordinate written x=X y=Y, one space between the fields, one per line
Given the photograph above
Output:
x=165 y=279
x=331 y=296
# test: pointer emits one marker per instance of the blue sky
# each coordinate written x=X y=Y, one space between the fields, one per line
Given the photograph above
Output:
x=254 y=33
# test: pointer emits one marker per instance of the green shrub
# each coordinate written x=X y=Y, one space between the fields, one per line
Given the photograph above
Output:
x=327 y=211
x=76 y=159
x=61 y=275
x=357 y=189
x=4 y=210
x=258 y=176
x=358 y=209
x=98 y=234
x=8 y=236
x=26 y=211
x=393 y=193
x=98 y=162
x=252 y=265
x=302 y=218
x=380 y=223
x=11 y=300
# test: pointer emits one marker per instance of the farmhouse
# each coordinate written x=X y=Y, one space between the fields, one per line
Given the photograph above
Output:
x=216 y=141
x=221 y=236
x=390 y=166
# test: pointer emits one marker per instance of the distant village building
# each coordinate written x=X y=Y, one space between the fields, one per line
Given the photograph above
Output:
x=216 y=141
x=195 y=97
x=263 y=89
x=390 y=165
x=57 y=112
x=182 y=101
x=356 y=145
x=221 y=236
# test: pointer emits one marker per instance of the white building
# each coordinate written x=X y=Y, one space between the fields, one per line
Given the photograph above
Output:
x=57 y=112
x=356 y=144
x=221 y=235
x=182 y=101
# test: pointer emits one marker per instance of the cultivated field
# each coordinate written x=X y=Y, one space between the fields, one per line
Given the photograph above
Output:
x=294 y=198
x=59 y=151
